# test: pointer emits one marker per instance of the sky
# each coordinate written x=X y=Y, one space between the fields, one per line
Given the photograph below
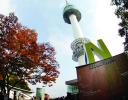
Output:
x=46 y=17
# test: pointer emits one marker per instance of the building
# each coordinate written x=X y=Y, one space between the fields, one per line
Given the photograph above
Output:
x=72 y=89
x=104 y=80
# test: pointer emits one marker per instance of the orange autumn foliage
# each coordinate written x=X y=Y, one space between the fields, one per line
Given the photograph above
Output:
x=21 y=55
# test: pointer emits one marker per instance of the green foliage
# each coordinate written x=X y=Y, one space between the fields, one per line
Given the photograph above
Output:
x=20 y=84
x=122 y=13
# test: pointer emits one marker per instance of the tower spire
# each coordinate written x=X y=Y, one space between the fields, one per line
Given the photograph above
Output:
x=66 y=2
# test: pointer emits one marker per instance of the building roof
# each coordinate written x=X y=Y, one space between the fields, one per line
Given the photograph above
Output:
x=72 y=82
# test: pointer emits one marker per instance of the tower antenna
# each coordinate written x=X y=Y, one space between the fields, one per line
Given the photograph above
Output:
x=66 y=2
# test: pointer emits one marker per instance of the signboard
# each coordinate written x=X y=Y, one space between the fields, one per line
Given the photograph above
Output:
x=101 y=51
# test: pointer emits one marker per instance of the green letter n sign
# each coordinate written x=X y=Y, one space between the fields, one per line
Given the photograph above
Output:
x=102 y=52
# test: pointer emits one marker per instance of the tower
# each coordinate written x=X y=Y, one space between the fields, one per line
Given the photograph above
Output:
x=72 y=16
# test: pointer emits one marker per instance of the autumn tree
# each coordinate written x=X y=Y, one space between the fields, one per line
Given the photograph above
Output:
x=122 y=13
x=23 y=57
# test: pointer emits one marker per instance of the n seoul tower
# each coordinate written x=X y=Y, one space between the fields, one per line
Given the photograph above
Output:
x=72 y=16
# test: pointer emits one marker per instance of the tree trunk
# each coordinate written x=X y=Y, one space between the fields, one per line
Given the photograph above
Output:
x=15 y=95
x=6 y=97
x=8 y=92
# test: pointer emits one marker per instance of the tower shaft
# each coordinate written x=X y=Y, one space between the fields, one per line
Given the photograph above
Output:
x=77 y=34
x=81 y=60
x=76 y=27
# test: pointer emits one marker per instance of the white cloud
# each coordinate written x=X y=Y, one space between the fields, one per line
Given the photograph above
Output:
x=61 y=43
x=5 y=7
x=106 y=26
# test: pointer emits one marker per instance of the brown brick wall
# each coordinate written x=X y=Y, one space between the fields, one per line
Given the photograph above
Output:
x=104 y=80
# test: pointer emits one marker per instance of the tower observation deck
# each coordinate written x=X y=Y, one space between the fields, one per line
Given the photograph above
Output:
x=69 y=10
